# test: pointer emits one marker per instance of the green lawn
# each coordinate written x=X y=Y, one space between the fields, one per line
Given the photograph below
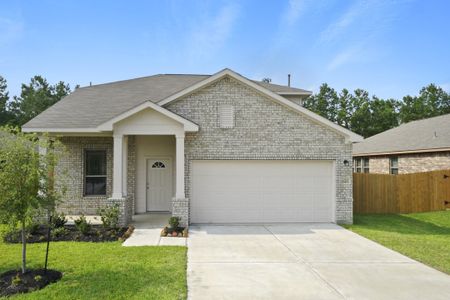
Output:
x=423 y=236
x=105 y=270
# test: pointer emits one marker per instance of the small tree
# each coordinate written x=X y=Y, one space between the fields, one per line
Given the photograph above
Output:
x=49 y=194
x=25 y=180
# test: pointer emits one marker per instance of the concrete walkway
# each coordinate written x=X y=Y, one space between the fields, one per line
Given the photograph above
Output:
x=302 y=261
x=147 y=231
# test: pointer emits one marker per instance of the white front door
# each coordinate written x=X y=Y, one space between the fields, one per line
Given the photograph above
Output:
x=159 y=184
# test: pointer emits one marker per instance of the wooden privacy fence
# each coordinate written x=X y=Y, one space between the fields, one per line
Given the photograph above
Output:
x=404 y=193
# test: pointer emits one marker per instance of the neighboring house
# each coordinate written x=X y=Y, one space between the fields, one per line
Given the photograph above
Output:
x=417 y=146
x=208 y=148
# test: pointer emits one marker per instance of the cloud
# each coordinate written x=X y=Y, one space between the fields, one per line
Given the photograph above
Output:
x=294 y=10
x=10 y=30
x=348 y=55
x=337 y=28
x=209 y=35
x=358 y=32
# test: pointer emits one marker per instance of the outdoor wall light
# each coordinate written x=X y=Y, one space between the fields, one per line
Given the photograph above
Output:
x=346 y=163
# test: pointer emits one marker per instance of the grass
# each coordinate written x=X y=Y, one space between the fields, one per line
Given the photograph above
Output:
x=424 y=237
x=104 y=270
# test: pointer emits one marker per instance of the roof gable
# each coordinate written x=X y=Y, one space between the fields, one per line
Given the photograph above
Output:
x=349 y=135
x=88 y=107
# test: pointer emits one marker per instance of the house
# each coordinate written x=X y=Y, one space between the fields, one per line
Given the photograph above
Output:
x=208 y=148
x=417 y=146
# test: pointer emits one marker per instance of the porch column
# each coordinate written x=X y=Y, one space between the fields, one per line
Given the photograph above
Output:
x=179 y=194
x=118 y=152
x=124 y=165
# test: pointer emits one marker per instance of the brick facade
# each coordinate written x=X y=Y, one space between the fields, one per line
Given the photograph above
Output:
x=71 y=168
x=411 y=163
x=263 y=130
x=379 y=165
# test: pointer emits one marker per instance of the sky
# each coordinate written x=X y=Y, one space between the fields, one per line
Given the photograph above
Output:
x=389 y=48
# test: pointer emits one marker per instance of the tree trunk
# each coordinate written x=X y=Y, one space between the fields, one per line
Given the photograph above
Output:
x=49 y=228
x=24 y=248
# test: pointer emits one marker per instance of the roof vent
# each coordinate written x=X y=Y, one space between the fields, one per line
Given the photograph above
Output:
x=226 y=116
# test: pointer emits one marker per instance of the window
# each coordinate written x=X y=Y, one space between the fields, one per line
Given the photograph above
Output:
x=95 y=173
x=361 y=164
x=357 y=164
x=393 y=165
x=158 y=165
x=365 y=163
x=226 y=116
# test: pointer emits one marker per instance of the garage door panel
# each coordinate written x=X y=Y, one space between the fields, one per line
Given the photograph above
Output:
x=261 y=191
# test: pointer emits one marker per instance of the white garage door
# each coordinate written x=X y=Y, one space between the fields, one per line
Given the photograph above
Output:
x=224 y=191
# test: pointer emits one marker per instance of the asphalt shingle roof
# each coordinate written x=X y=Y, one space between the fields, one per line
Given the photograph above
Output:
x=426 y=134
x=91 y=106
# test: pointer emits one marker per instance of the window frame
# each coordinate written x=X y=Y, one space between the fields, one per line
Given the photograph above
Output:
x=86 y=176
x=365 y=165
x=361 y=165
x=358 y=165
x=391 y=167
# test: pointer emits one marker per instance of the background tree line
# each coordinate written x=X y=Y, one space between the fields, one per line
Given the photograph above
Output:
x=34 y=98
x=368 y=116
x=358 y=111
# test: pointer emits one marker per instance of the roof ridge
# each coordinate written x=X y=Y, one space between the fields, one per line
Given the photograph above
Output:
x=183 y=74
x=425 y=119
x=118 y=81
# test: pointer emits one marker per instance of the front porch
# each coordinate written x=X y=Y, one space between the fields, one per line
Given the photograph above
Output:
x=149 y=163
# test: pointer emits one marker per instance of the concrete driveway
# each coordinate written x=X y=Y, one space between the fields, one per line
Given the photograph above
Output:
x=302 y=261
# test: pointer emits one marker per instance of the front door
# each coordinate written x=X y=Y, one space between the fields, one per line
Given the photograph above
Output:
x=159 y=184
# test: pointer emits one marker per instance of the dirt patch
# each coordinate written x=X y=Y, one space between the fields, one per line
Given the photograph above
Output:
x=14 y=282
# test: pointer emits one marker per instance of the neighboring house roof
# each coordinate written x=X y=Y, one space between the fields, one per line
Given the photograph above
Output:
x=97 y=108
x=427 y=135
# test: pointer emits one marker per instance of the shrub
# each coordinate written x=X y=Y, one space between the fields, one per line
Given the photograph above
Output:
x=37 y=278
x=59 y=220
x=33 y=227
x=16 y=280
x=82 y=225
x=174 y=222
x=58 y=232
x=110 y=216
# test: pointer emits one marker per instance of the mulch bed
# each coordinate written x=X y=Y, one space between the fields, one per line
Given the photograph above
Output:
x=177 y=232
x=14 y=282
x=97 y=234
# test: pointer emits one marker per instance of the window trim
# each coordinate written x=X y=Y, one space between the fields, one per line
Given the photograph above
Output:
x=391 y=168
x=85 y=175
x=159 y=165
x=365 y=168
x=360 y=166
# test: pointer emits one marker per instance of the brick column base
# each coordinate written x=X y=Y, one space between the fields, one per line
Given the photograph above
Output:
x=180 y=208
x=124 y=208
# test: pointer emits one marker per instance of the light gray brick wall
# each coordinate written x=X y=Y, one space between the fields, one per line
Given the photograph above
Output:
x=71 y=166
x=263 y=130
x=131 y=176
